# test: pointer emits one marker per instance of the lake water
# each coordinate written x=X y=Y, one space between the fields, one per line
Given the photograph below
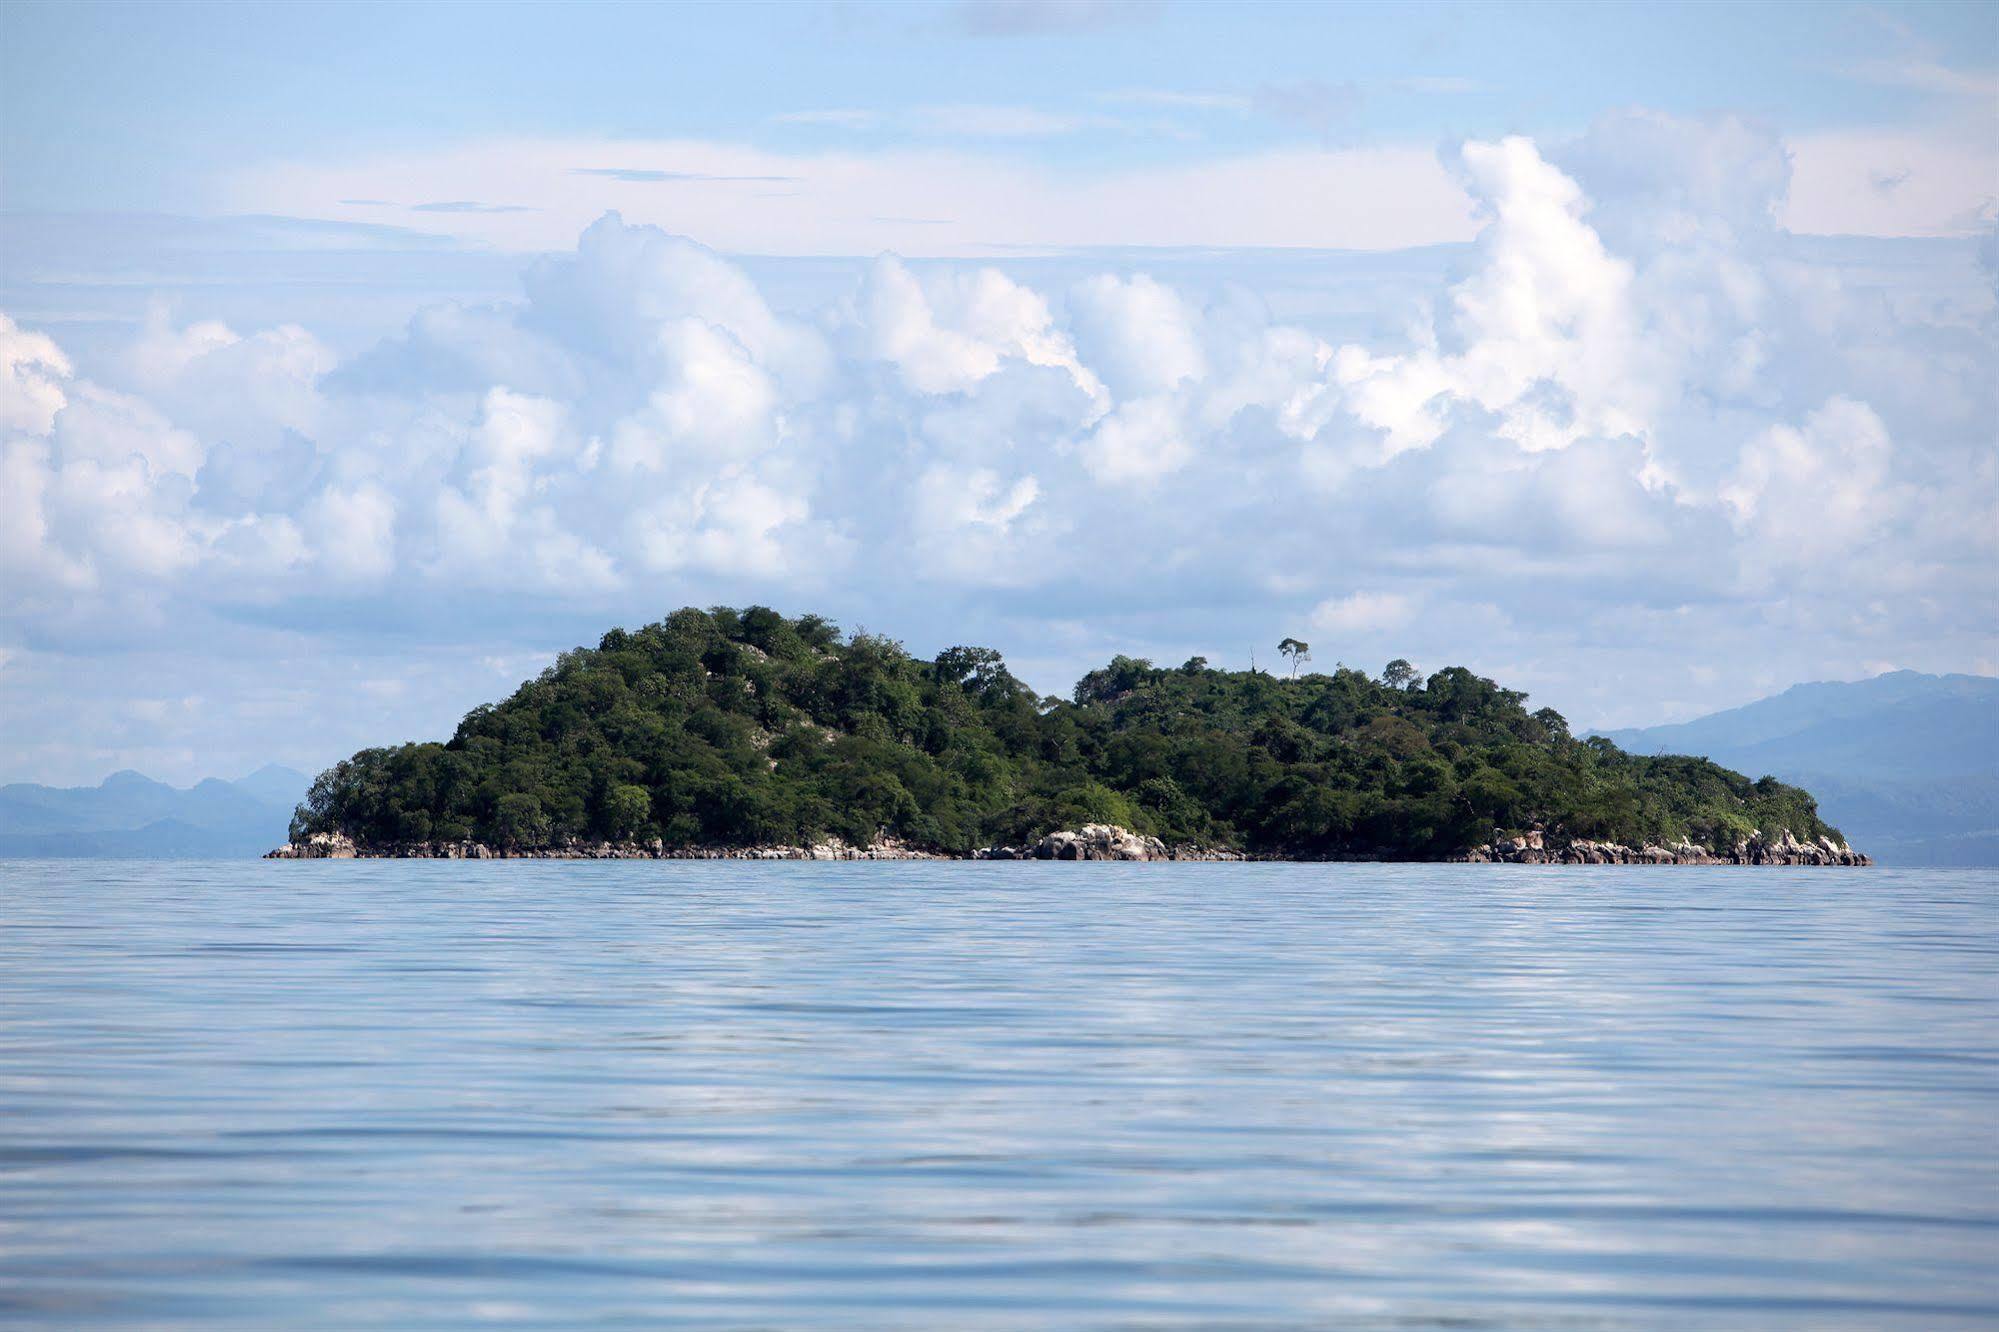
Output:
x=418 y=1095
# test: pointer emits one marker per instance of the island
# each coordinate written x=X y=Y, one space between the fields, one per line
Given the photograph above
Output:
x=728 y=733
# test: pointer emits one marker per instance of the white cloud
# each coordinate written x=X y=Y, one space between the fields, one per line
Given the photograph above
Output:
x=1137 y=334
x=903 y=329
x=734 y=524
x=1542 y=334
x=1807 y=495
x=1362 y=613
x=115 y=429
x=31 y=370
x=626 y=285
x=1894 y=183
x=974 y=527
x=714 y=401
x=1237 y=103
x=1006 y=122
x=1930 y=75
x=948 y=334
x=29 y=558
x=972 y=121
x=977 y=498
x=920 y=194
x=849 y=118
x=354 y=531
x=1142 y=441
x=917 y=201
x=1638 y=422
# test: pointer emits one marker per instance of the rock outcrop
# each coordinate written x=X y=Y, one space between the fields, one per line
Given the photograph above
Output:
x=1099 y=841
x=1102 y=841
x=1533 y=848
x=319 y=846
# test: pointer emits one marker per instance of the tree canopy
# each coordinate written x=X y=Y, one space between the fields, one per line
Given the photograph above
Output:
x=732 y=727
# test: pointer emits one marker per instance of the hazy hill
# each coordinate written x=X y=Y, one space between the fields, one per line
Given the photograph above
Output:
x=129 y=814
x=1906 y=764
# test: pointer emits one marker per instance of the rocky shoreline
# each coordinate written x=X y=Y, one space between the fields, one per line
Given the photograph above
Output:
x=1533 y=849
x=338 y=846
x=1095 y=841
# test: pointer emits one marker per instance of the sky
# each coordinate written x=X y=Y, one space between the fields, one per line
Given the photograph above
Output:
x=355 y=360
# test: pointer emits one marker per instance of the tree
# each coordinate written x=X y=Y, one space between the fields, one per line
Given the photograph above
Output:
x=520 y=820
x=1297 y=651
x=979 y=671
x=976 y=664
x=627 y=809
x=1398 y=674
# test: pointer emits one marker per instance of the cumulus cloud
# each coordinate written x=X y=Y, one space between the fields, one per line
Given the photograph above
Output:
x=949 y=333
x=34 y=368
x=1362 y=613
x=1540 y=335
x=1636 y=415
x=354 y=531
x=1137 y=333
x=1812 y=497
x=1141 y=441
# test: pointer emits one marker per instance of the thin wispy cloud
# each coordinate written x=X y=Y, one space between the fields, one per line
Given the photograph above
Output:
x=1381 y=196
x=645 y=176
x=1185 y=101
x=469 y=206
x=1006 y=122
x=1441 y=85
x=1322 y=108
x=1887 y=182
x=1932 y=76
x=980 y=121
x=849 y=118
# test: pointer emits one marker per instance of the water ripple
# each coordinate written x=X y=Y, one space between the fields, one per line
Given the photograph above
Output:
x=382 y=1095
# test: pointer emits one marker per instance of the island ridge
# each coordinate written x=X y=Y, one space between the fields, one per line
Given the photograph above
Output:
x=744 y=732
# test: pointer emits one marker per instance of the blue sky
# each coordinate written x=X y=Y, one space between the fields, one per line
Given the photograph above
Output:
x=145 y=106
x=358 y=358
x=143 y=79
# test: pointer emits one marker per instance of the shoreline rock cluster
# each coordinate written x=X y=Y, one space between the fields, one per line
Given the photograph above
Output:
x=1094 y=841
x=1102 y=841
x=1533 y=849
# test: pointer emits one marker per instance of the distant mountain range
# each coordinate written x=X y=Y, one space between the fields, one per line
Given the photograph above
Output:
x=1907 y=765
x=131 y=815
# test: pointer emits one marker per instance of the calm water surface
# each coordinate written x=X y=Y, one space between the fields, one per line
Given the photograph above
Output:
x=985 y=1095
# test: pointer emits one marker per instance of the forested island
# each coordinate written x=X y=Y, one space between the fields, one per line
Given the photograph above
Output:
x=743 y=732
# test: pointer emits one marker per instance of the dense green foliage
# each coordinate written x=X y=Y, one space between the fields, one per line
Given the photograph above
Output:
x=734 y=728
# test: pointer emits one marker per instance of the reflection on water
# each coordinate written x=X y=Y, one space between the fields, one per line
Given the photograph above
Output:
x=996 y=1095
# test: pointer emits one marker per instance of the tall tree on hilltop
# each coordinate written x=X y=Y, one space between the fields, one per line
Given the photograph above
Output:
x=1297 y=651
